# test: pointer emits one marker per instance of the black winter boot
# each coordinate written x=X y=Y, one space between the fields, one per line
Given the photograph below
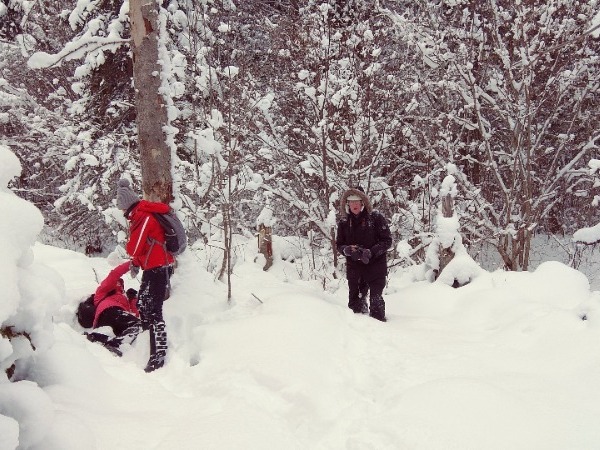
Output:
x=363 y=295
x=378 y=308
x=359 y=306
x=111 y=344
x=97 y=337
x=130 y=334
x=158 y=347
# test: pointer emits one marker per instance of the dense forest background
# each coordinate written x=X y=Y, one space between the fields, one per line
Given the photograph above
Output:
x=281 y=105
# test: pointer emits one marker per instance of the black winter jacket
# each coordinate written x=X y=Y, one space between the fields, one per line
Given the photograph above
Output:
x=368 y=229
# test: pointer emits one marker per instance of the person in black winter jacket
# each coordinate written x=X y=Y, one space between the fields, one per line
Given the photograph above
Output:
x=364 y=237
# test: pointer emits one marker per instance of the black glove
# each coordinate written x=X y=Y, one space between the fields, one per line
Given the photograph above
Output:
x=133 y=270
x=365 y=255
x=356 y=252
x=353 y=252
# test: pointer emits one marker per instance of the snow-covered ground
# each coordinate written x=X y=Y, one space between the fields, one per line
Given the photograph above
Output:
x=505 y=362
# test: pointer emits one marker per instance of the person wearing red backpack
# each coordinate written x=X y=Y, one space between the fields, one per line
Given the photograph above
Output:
x=147 y=249
x=116 y=309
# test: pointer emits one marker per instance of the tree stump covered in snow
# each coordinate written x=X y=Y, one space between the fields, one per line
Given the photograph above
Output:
x=265 y=244
x=445 y=254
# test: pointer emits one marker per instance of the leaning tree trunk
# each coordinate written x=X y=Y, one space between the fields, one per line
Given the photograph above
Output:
x=155 y=154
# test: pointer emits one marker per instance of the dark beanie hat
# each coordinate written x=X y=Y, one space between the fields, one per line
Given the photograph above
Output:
x=125 y=195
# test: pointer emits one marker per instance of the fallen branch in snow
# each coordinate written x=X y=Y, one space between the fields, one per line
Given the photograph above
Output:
x=8 y=333
x=257 y=298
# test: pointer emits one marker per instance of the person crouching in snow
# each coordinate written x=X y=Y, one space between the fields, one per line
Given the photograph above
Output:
x=147 y=249
x=116 y=309
x=364 y=237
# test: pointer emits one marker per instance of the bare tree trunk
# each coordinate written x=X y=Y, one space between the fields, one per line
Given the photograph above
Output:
x=575 y=259
x=228 y=245
x=227 y=248
x=335 y=252
x=155 y=155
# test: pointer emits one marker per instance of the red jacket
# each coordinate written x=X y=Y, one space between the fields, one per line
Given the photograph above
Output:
x=102 y=300
x=146 y=244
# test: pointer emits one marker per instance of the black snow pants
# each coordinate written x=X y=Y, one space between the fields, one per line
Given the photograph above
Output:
x=153 y=292
x=125 y=326
x=358 y=288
